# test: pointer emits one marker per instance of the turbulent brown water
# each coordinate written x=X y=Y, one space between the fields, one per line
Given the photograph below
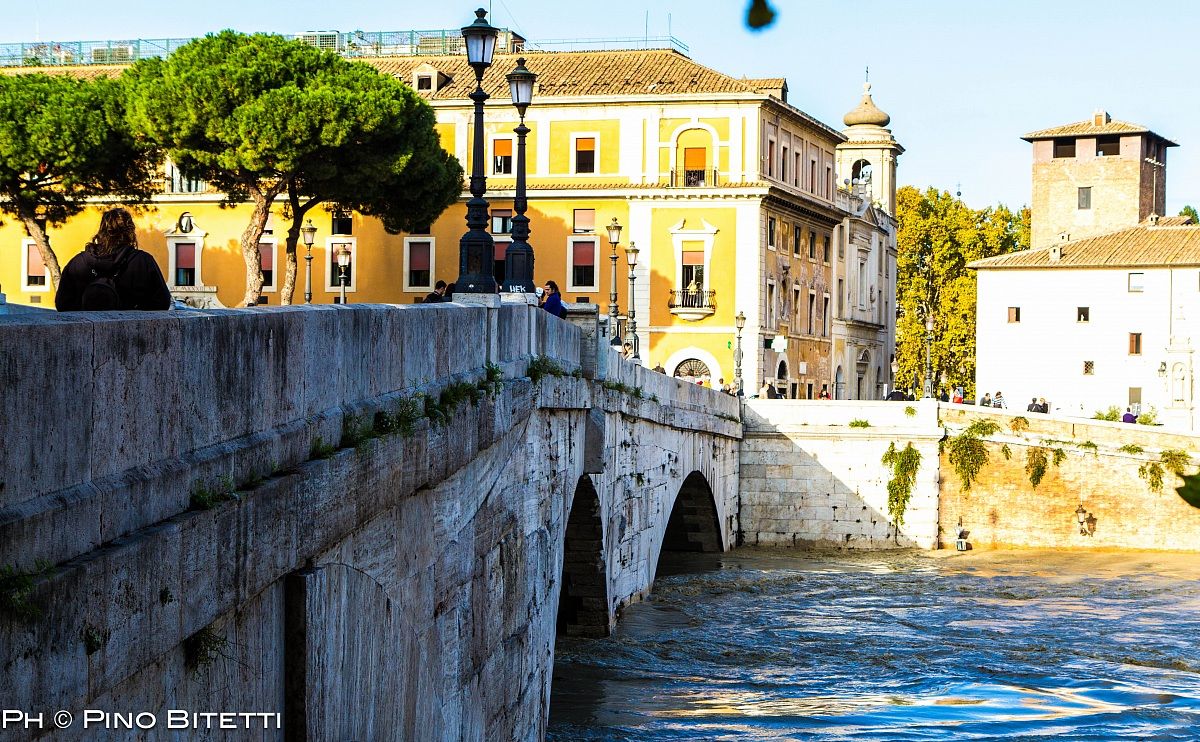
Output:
x=768 y=645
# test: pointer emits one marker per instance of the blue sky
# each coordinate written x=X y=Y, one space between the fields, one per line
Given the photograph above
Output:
x=962 y=80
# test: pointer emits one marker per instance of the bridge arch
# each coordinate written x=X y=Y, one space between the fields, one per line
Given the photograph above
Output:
x=583 y=606
x=694 y=524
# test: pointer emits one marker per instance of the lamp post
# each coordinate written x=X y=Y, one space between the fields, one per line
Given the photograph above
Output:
x=895 y=370
x=631 y=256
x=476 y=250
x=928 y=354
x=518 y=256
x=343 y=260
x=614 y=238
x=740 y=322
x=308 y=233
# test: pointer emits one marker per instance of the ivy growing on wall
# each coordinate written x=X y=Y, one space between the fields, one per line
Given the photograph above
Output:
x=1171 y=460
x=904 y=464
x=967 y=453
x=1037 y=462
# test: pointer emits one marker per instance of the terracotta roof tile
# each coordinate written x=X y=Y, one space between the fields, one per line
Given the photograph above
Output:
x=1089 y=128
x=1175 y=241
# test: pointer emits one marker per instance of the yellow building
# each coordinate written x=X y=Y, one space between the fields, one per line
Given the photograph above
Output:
x=729 y=191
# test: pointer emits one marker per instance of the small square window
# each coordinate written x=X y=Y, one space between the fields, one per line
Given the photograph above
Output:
x=425 y=82
x=1109 y=146
x=1014 y=314
x=1135 y=343
x=342 y=223
x=502 y=221
x=502 y=157
x=1085 y=197
x=1089 y=368
x=1137 y=282
x=585 y=221
x=1064 y=148
x=1083 y=314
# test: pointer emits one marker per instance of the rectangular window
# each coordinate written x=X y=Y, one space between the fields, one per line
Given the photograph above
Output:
x=770 y=159
x=771 y=305
x=825 y=318
x=862 y=284
x=1109 y=146
x=796 y=307
x=502 y=221
x=1064 y=148
x=783 y=163
x=341 y=223
x=1083 y=314
x=1135 y=399
x=336 y=276
x=825 y=252
x=810 y=391
x=582 y=264
x=812 y=310
x=585 y=221
x=1135 y=343
x=797 y=238
x=812 y=245
x=812 y=176
x=841 y=297
x=266 y=252
x=498 y=259
x=1014 y=314
x=502 y=157
x=35 y=268
x=420 y=261
x=585 y=155
x=828 y=181
x=1085 y=197
x=796 y=170
x=695 y=166
x=1089 y=368
x=770 y=231
x=1137 y=282
x=425 y=82
x=692 y=270
x=185 y=264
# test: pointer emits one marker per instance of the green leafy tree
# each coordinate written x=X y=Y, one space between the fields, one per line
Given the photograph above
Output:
x=1190 y=211
x=938 y=236
x=378 y=154
x=259 y=116
x=64 y=141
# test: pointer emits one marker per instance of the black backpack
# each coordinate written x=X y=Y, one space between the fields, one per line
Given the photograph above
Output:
x=101 y=292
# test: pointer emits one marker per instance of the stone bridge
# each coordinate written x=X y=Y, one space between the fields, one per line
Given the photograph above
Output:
x=371 y=520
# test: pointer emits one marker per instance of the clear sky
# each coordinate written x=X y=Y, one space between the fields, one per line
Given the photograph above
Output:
x=961 y=79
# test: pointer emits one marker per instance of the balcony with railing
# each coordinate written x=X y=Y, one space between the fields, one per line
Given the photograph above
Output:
x=692 y=304
x=683 y=178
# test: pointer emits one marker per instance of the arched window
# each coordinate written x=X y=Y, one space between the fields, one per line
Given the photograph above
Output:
x=693 y=368
x=695 y=159
x=781 y=373
x=1178 y=379
x=861 y=172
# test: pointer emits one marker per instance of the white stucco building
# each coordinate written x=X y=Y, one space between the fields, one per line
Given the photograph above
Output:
x=1108 y=320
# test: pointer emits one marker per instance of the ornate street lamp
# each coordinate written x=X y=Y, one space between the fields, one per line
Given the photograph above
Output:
x=518 y=256
x=928 y=355
x=476 y=250
x=631 y=256
x=308 y=233
x=740 y=322
x=614 y=238
x=343 y=261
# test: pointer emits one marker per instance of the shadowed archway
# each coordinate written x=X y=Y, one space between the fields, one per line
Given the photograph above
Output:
x=583 y=599
x=693 y=525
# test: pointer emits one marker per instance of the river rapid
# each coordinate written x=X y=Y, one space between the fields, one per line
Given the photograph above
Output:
x=763 y=644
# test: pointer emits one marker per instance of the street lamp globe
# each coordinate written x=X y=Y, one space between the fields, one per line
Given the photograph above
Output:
x=343 y=257
x=520 y=86
x=614 y=231
x=308 y=233
x=929 y=325
x=631 y=255
x=481 y=42
x=740 y=320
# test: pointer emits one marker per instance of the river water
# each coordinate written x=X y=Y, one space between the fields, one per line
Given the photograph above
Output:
x=774 y=644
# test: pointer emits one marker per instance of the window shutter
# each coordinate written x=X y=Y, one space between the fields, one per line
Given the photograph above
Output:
x=418 y=256
x=585 y=220
x=267 y=251
x=693 y=258
x=584 y=253
x=503 y=147
x=35 y=266
x=694 y=158
x=585 y=144
x=501 y=251
x=185 y=255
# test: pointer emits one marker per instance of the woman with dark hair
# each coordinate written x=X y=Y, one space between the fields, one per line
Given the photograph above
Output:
x=552 y=300
x=111 y=272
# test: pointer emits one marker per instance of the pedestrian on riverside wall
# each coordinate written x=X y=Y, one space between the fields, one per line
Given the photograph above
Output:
x=627 y=350
x=552 y=301
x=824 y=392
x=1043 y=405
x=438 y=295
x=1128 y=417
x=724 y=386
x=111 y=272
x=1033 y=406
x=986 y=400
x=943 y=397
x=659 y=369
x=998 y=400
x=958 y=395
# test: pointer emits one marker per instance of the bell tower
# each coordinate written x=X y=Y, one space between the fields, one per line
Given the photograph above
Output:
x=867 y=159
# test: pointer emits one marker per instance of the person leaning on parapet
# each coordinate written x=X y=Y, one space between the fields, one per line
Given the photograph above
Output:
x=1033 y=406
x=998 y=400
x=659 y=369
x=1128 y=417
x=985 y=400
x=111 y=272
x=552 y=300
x=438 y=295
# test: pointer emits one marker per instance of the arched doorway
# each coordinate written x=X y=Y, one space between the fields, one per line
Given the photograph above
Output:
x=693 y=525
x=781 y=379
x=583 y=608
x=862 y=366
x=839 y=384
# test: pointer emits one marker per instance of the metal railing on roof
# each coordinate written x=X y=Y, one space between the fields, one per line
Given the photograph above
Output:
x=613 y=44
x=346 y=43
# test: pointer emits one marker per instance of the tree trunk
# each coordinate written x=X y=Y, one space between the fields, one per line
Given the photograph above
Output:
x=293 y=240
x=250 y=239
x=49 y=259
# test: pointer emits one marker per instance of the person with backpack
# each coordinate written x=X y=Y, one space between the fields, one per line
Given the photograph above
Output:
x=111 y=272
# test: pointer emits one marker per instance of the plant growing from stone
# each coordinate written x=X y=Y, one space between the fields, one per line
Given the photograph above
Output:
x=910 y=411
x=904 y=465
x=1112 y=414
x=1148 y=416
x=1006 y=452
x=16 y=590
x=1018 y=424
x=1132 y=449
x=208 y=497
x=204 y=647
x=1173 y=460
x=858 y=423
x=542 y=366
x=967 y=453
x=1036 y=464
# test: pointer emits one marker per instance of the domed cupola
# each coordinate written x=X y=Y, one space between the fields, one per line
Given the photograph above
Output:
x=866 y=112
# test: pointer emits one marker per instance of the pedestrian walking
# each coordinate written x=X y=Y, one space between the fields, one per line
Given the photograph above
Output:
x=111 y=272
x=552 y=303
x=438 y=295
